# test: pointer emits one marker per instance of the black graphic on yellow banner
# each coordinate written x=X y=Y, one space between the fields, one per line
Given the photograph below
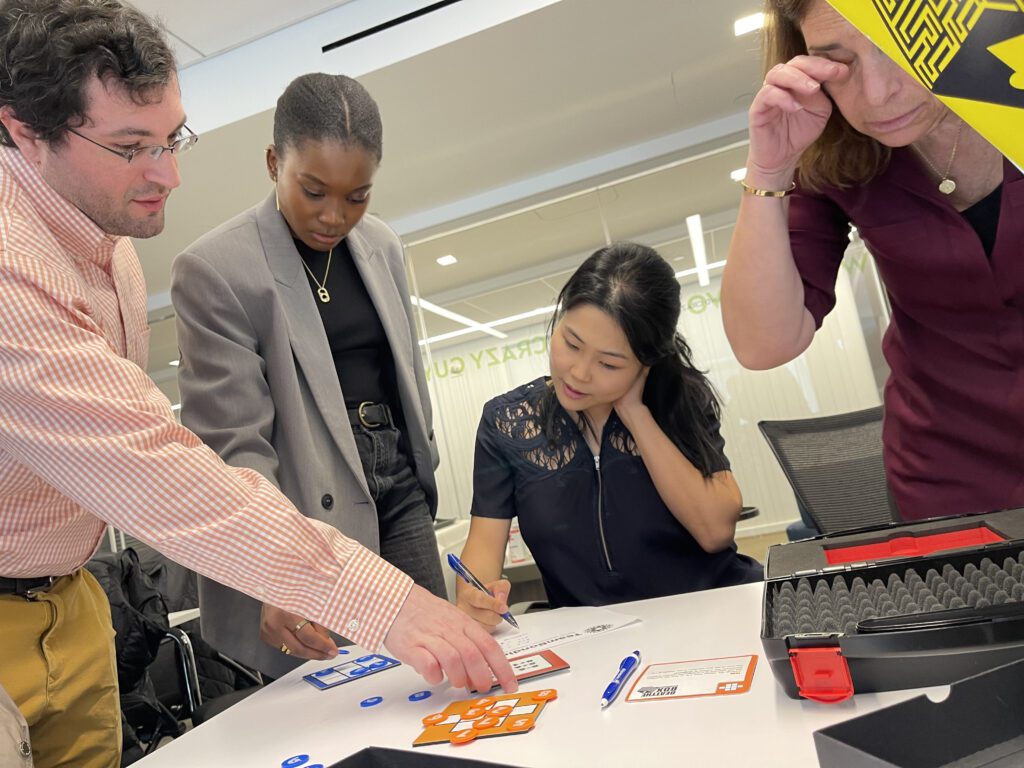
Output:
x=969 y=53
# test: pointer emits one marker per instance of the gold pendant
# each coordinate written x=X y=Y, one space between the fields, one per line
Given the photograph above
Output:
x=947 y=186
x=325 y=297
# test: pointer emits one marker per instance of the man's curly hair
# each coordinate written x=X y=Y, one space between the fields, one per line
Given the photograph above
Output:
x=51 y=49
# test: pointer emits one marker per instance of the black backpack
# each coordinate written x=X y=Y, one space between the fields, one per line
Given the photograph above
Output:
x=139 y=616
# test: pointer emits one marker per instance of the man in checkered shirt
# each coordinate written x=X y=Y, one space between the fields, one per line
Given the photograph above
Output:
x=92 y=124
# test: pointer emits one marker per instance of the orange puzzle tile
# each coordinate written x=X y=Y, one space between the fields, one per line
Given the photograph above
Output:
x=507 y=715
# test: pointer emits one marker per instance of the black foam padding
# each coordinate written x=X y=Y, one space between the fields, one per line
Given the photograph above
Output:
x=837 y=603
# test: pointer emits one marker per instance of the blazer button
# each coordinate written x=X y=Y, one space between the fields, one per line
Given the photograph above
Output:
x=327 y=501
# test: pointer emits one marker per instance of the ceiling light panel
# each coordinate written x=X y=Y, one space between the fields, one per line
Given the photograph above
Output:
x=700 y=258
x=748 y=24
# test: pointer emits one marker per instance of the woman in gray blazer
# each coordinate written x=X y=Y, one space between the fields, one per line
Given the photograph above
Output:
x=299 y=359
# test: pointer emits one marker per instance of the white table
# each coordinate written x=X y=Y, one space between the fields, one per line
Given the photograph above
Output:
x=761 y=728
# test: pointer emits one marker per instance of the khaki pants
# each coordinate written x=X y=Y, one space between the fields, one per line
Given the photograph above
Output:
x=57 y=663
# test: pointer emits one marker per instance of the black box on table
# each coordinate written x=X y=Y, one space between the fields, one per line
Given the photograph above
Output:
x=383 y=757
x=901 y=606
x=977 y=726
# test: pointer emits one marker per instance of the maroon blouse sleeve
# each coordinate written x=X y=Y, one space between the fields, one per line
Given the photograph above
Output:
x=818 y=236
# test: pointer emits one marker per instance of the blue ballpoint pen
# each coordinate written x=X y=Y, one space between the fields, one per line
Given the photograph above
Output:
x=626 y=668
x=473 y=581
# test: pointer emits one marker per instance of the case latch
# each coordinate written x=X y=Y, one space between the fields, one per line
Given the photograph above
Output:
x=821 y=674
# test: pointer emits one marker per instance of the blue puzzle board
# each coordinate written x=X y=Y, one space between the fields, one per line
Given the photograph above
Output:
x=351 y=670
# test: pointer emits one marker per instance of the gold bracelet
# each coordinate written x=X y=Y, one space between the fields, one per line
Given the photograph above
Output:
x=767 y=192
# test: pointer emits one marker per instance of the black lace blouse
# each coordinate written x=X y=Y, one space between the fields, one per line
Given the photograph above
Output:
x=596 y=526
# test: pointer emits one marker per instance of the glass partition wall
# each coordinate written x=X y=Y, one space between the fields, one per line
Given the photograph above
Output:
x=483 y=319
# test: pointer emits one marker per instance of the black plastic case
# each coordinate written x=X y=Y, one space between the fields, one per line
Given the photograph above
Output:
x=915 y=649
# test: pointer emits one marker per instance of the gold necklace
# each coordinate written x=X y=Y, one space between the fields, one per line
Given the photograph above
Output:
x=321 y=287
x=946 y=185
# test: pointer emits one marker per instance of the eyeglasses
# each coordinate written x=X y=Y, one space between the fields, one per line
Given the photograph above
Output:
x=155 y=152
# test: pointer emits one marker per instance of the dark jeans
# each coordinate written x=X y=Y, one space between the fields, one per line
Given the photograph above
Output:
x=407 y=538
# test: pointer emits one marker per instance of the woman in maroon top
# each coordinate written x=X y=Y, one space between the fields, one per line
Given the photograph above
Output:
x=841 y=135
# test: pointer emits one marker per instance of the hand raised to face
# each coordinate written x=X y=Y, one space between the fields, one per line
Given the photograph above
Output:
x=788 y=114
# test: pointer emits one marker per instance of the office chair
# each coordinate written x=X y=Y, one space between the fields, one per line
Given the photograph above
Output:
x=804 y=528
x=834 y=465
x=207 y=709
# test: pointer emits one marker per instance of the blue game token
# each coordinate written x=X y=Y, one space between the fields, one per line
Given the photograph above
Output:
x=373 y=701
x=291 y=762
x=379 y=663
x=419 y=696
x=343 y=651
x=363 y=659
x=357 y=671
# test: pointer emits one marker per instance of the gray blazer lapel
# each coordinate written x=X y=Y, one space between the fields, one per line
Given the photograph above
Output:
x=306 y=332
x=390 y=306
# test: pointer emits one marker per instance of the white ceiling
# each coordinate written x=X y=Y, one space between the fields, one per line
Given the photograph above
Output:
x=199 y=29
x=562 y=100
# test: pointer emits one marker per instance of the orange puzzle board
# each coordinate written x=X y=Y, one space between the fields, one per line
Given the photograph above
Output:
x=486 y=716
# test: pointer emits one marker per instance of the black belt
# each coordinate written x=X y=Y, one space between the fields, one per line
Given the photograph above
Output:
x=370 y=415
x=25 y=586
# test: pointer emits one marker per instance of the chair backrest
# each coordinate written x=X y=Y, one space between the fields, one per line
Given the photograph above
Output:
x=834 y=464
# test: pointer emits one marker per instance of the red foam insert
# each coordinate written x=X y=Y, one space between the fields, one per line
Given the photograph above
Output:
x=907 y=545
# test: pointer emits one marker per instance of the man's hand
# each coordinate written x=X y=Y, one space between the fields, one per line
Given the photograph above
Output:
x=436 y=639
x=301 y=638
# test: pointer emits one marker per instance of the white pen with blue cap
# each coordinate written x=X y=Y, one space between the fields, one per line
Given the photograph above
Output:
x=626 y=668
x=456 y=565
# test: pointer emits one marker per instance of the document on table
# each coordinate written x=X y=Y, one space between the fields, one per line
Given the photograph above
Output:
x=705 y=677
x=558 y=627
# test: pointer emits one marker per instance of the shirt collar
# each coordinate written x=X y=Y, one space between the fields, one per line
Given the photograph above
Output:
x=76 y=232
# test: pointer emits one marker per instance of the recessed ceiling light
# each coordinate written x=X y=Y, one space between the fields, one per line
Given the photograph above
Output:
x=447 y=261
x=175 y=363
x=739 y=174
x=748 y=24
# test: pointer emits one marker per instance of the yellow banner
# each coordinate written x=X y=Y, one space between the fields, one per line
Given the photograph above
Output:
x=969 y=53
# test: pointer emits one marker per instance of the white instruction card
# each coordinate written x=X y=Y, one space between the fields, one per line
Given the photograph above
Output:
x=704 y=677
x=558 y=627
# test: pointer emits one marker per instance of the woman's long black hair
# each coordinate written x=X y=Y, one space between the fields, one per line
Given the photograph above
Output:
x=637 y=288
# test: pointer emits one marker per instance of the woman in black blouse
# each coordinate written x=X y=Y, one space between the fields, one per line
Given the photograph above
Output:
x=614 y=465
